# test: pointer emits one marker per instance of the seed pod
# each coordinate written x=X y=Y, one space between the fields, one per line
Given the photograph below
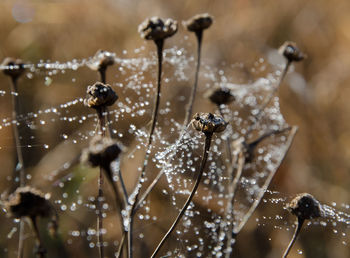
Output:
x=28 y=202
x=220 y=96
x=291 y=51
x=15 y=67
x=101 y=60
x=156 y=29
x=305 y=206
x=101 y=152
x=208 y=123
x=100 y=95
x=198 y=22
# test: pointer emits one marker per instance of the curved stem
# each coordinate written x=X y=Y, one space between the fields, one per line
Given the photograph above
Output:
x=257 y=117
x=296 y=233
x=189 y=199
x=256 y=202
x=159 y=44
x=199 y=36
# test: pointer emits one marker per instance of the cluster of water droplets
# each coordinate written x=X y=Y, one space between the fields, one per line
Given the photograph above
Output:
x=176 y=152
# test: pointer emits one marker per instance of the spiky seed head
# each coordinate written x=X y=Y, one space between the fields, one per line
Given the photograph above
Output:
x=220 y=96
x=198 y=22
x=101 y=60
x=14 y=67
x=156 y=29
x=101 y=152
x=291 y=51
x=99 y=95
x=28 y=202
x=305 y=206
x=208 y=123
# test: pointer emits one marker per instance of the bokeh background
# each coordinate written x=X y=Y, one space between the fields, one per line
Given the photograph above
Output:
x=314 y=96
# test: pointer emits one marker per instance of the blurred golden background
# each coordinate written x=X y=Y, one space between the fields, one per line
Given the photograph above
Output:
x=314 y=95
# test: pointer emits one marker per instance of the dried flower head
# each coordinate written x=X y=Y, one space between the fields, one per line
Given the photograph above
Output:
x=305 y=206
x=208 y=123
x=291 y=51
x=28 y=202
x=101 y=152
x=156 y=29
x=101 y=60
x=198 y=22
x=220 y=96
x=100 y=95
x=15 y=67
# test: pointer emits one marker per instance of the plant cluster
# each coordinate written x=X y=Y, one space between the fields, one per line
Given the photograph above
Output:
x=238 y=155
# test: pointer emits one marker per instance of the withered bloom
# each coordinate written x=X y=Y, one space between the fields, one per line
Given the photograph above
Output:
x=156 y=29
x=100 y=95
x=101 y=152
x=305 y=206
x=198 y=22
x=28 y=202
x=208 y=123
x=291 y=51
x=101 y=60
x=15 y=67
x=220 y=96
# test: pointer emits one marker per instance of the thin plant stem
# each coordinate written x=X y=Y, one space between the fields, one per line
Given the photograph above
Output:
x=257 y=117
x=256 y=202
x=230 y=206
x=208 y=137
x=41 y=251
x=296 y=233
x=159 y=44
x=121 y=245
x=153 y=184
x=100 y=182
x=19 y=165
x=199 y=36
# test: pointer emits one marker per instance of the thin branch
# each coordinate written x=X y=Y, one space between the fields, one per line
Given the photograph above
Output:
x=189 y=199
x=267 y=182
x=263 y=106
x=296 y=233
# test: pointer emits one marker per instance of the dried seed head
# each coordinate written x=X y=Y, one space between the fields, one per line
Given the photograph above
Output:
x=101 y=152
x=198 y=22
x=208 y=123
x=28 y=202
x=101 y=60
x=15 y=67
x=100 y=95
x=220 y=96
x=156 y=29
x=291 y=51
x=305 y=206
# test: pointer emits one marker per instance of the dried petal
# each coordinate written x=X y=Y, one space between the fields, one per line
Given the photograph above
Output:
x=100 y=95
x=208 y=123
x=156 y=29
x=101 y=60
x=305 y=206
x=291 y=51
x=220 y=96
x=199 y=22
x=15 y=67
